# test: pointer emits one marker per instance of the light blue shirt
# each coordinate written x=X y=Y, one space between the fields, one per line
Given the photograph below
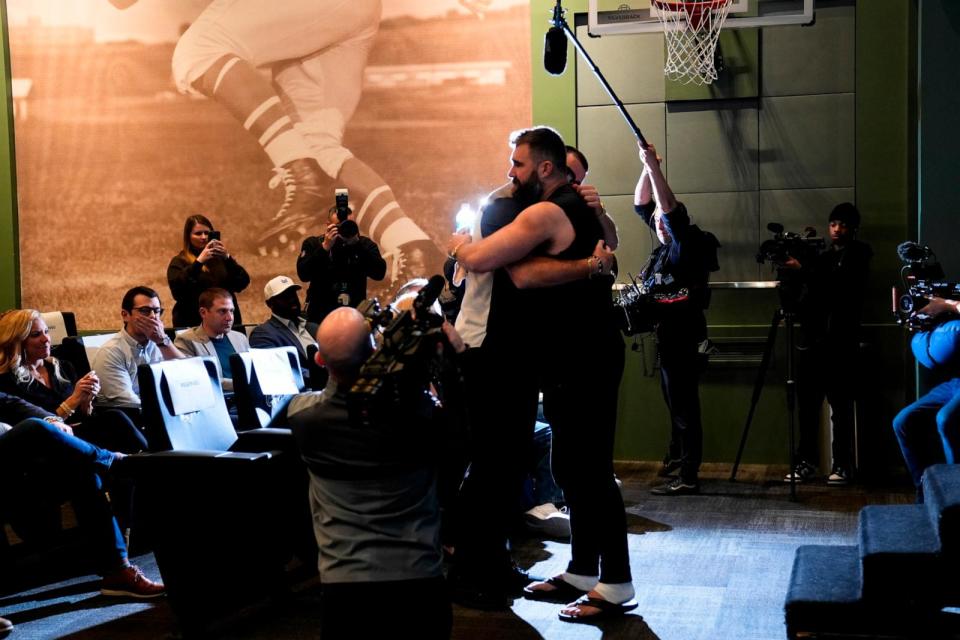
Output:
x=116 y=365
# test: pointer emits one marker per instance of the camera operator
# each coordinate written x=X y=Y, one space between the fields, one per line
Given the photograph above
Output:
x=338 y=264
x=928 y=430
x=829 y=343
x=684 y=260
x=373 y=494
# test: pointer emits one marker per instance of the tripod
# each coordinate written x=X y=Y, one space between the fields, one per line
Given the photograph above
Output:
x=789 y=319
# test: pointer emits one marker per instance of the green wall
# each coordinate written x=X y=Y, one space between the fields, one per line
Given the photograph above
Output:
x=879 y=173
x=9 y=264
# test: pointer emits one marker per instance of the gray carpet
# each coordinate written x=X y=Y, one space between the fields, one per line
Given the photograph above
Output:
x=710 y=566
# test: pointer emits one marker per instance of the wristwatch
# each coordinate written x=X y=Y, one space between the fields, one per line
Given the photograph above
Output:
x=166 y=342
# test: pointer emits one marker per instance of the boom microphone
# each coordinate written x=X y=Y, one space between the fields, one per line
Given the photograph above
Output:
x=555 y=51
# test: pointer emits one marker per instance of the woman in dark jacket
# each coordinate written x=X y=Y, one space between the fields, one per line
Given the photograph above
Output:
x=203 y=264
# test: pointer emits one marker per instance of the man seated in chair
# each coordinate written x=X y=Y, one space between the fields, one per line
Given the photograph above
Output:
x=215 y=335
x=141 y=341
x=373 y=494
x=286 y=327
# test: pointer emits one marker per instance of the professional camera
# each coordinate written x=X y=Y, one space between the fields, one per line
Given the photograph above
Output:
x=411 y=356
x=640 y=308
x=347 y=228
x=922 y=278
x=787 y=244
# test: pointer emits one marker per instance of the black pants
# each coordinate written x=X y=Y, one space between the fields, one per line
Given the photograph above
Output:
x=827 y=370
x=502 y=391
x=580 y=403
x=401 y=608
x=680 y=366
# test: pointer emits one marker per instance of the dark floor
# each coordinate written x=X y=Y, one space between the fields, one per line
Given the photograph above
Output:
x=705 y=567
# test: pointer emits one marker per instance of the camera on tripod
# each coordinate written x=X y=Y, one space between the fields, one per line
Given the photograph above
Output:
x=347 y=228
x=922 y=278
x=787 y=244
x=412 y=354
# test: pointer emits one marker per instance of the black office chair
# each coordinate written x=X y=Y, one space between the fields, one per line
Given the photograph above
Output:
x=223 y=511
x=256 y=409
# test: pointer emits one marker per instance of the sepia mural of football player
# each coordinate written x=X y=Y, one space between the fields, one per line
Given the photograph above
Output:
x=316 y=53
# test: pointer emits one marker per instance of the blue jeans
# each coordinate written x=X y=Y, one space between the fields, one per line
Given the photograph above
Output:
x=36 y=453
x=540 y=487
x=929 y=429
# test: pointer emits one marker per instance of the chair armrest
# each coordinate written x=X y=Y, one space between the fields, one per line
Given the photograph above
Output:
x=266 y=439
x=163 y=461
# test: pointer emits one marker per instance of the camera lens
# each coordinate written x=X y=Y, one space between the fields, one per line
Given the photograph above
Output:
x=348 y=229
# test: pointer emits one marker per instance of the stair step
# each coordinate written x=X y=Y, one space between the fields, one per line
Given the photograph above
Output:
x=899 y=552
x=941 y=493
x=823 y=600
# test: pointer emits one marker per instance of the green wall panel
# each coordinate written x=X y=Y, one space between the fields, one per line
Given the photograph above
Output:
x=807 y=142
x=611 y=148
x=712 y=145
x=819 y=58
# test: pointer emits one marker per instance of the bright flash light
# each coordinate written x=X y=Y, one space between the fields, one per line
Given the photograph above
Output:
x=466 y=216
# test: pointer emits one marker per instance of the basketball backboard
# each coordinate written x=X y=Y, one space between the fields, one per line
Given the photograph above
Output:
x=615 y=17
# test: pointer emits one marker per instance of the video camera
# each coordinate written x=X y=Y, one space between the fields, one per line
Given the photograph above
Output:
x=793 y=289
x=787 y=244
x=412 y=354
x=641 y=308
x=922 y=278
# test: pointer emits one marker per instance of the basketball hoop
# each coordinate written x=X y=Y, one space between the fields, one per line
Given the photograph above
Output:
x=691 y=29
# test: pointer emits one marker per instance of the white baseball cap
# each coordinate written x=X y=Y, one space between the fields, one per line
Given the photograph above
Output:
x=277 y=286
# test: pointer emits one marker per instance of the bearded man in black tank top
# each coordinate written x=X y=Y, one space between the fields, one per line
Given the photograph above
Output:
x=552 y=246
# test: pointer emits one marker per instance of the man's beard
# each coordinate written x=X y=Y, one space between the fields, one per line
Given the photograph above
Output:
x=529 y=192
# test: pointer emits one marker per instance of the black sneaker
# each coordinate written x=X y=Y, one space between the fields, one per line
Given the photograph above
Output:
x=668 y=466
x=803 y=472
x=677 y=487
x=838 y=477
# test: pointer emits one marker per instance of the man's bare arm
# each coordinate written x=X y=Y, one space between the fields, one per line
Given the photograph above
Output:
x=538 y=224
x=543 y=271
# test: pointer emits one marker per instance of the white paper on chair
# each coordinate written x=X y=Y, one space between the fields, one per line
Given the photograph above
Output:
x=273 y=372
x=189 y=385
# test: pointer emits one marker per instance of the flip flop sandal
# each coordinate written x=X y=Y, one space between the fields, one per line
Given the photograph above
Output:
x=562 y=591
x=606 y=611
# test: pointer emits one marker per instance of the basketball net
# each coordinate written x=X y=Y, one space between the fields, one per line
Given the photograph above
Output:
x=691 y=30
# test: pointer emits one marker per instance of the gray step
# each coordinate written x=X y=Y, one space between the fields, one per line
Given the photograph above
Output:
x=823 y=600
x=899 y=552
x=941 y=494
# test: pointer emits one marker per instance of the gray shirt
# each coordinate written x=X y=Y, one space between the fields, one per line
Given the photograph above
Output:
x=372 y=493
x=116 y=365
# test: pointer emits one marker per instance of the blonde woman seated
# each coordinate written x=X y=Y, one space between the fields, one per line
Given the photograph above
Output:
x=27 y=370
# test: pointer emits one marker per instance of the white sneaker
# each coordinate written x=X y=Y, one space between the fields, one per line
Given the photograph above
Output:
x=545 y=519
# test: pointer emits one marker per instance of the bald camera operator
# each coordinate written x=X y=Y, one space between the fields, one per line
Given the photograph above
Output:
x=373 y=480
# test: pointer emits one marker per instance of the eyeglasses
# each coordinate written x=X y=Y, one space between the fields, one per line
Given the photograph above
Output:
x=149 y=311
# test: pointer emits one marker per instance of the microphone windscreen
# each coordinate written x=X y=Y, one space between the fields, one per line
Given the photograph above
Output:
x=555 y=51
x=428 y=295
x=910 y=251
